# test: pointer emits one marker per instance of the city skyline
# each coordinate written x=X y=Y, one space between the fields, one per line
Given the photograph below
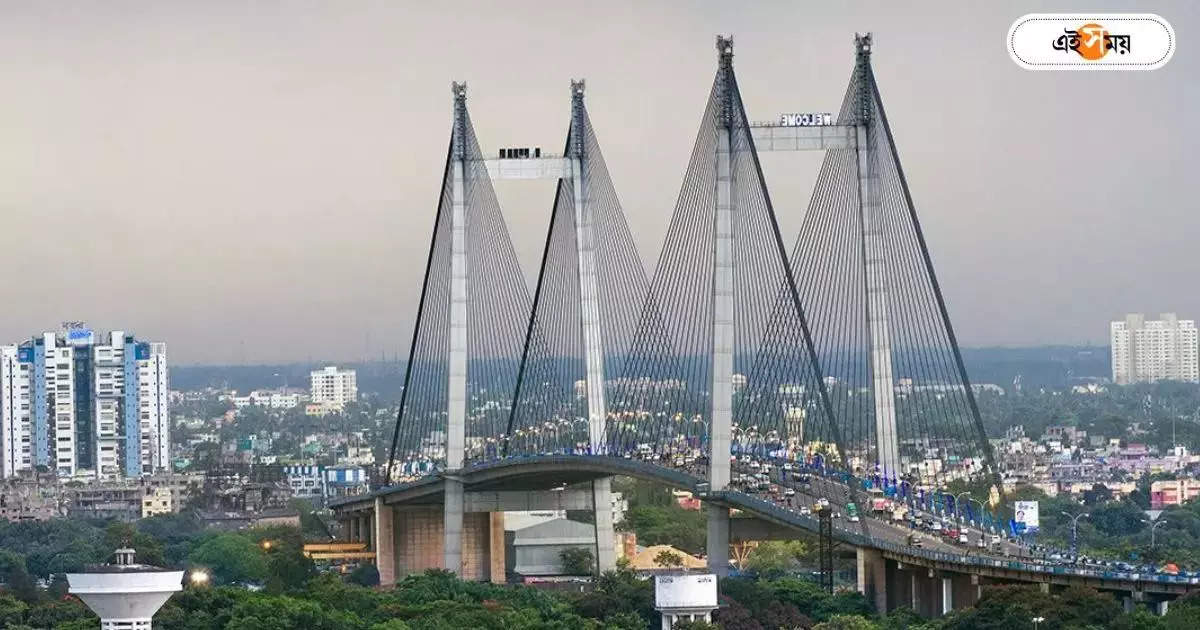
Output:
x=280 y=209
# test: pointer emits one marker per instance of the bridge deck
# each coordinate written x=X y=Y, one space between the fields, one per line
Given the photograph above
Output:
x=551 y=471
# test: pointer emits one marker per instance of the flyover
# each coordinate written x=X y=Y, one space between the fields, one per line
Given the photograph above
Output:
x=933 y=579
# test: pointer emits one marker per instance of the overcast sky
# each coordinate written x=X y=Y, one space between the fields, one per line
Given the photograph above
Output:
x=256 y=182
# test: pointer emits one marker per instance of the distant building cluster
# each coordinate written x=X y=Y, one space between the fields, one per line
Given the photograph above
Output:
x=1067 y=460
x=81 y=404
x=1147 y=351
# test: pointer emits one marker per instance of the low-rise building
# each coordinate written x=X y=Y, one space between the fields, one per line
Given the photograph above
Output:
x=1173 y=492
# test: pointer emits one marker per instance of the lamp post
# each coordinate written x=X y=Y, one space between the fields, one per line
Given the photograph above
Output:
x=1037 y=622
x=958 y=506
x=1075 y=530
x=1152 y=528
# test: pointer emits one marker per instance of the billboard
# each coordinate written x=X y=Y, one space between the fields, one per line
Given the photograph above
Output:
x=80 y=336
x=1026 y=516
x=685 y=591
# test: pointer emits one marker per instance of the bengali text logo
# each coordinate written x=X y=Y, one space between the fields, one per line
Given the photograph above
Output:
x=1116 y=41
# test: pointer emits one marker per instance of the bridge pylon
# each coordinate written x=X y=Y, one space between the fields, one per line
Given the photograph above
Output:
x=470 y=320
x=722 y=362
x=880 y=321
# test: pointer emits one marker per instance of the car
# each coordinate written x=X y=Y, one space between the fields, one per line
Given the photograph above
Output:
x=853 y=518
x=914 y=540
x=823 y=502
x=963 y=538
x=790 y=492
x=805 y=511
x=754 y=465
x=787 y=466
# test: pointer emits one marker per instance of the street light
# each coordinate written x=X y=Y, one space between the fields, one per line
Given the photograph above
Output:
x=1074 y=530
x=1152 y=528
x=958 y=506
x=1037 y=621
x=198 y=577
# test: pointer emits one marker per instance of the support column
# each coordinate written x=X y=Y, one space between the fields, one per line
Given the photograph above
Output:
x=875 y=270
x=452 y=526
x=915 y=595
x=947 y=594
x=496 y=550
x=385 y=543
x=718 y=539
x=1161 y=608
x=593 y=344
x=606 y=553
x=1044 y=587
x=872 y=577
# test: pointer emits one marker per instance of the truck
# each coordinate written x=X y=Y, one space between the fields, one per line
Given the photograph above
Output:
x=851 y=512
x=878 y=502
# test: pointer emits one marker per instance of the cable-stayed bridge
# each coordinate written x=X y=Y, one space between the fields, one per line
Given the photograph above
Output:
x=833 y=361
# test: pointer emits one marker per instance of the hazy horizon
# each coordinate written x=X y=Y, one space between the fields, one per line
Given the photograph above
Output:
x=256 y=183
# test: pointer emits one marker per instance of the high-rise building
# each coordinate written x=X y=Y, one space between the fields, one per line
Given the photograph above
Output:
x=332 y=388
x=77 y=405
x=1145 y=351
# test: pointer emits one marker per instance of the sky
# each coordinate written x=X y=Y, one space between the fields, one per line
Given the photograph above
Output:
x=256 y=182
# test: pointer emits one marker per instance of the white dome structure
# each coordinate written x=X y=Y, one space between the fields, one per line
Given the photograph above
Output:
x=125 y=595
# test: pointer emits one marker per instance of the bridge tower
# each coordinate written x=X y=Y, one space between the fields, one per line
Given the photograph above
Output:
x=470 y=319
x=584 y=310
x=862 y=263
x=590 y=325
x=871 y=224
x=456 y=408
x=722 y=314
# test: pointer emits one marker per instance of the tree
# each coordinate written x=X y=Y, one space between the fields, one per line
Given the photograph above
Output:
x=667 y=525
x=736 y=617
x=846 y=622
x=364 y=575
x=576 y=560
x=1097 y=495
x=776 y=557
x=669 y=559
x=1118 y=519
x=624 y=621
x=121 y=535
x=231 y=558
x=58 y=587
x=12 y=610
x=16 y=577
x=288 y=569
x=267 y=612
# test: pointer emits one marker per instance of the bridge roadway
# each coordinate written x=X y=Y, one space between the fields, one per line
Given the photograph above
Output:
x=879 y=536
